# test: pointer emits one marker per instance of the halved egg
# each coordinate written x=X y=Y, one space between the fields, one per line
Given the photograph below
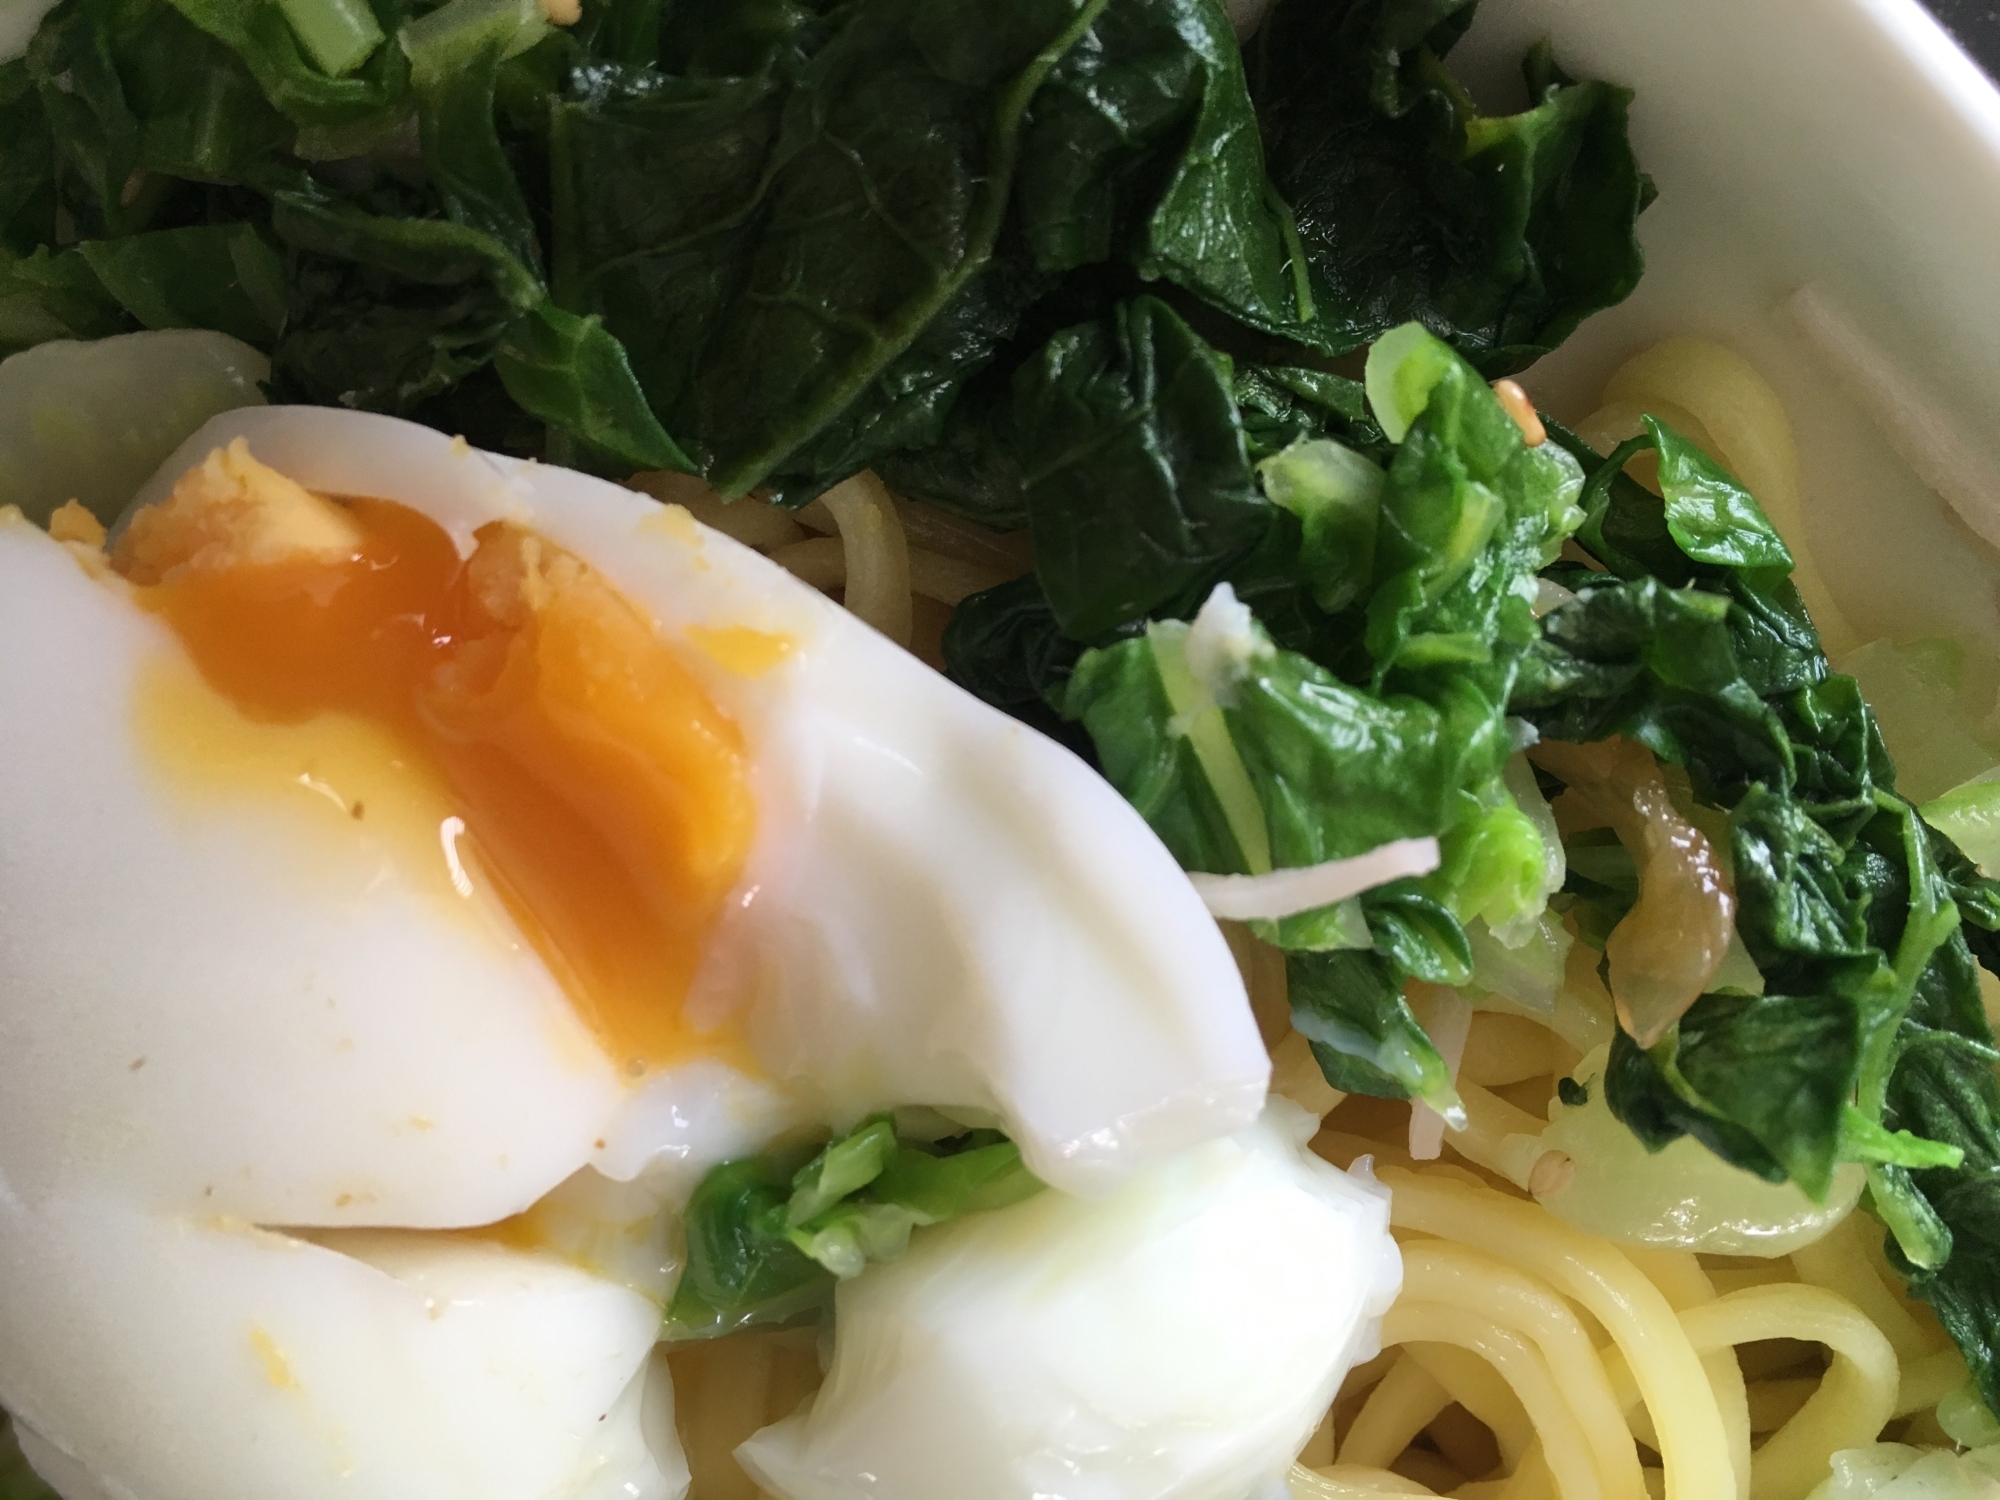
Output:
x=392 y=834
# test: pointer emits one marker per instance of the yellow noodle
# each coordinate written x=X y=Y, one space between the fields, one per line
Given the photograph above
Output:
x=1008 y=554
x=1263 y=969
x=795 y=1371
x=819 y=561
x=1344 y=1482
x=1462 y=1277
x=1676 y=1273
x=1296 y=1075
x=1693 y=1440
x=1521 y=1364
x=1858 y=1394
x=1319 y=1449
x=1479 y=1388
x=1343 y=1148
x=1838 y=1262
x=1732 y=1402
x=928 y=622
x=822 y=562
x=1682 y=1281
x=1532 y=1481
x=814 y=516
x=1429 y=1469
x=949 y=579
x=721 y=1394
x=1365 y=1375
x=876 y=553
x=1873 y=1240
x=1506 y=1049
x=1773 y=1403
x=1929 y=1378
x=1770 y=1273
x=1499 y=1137
x=1399 y=1408
x=1773 y=1357
x=1467 y=1443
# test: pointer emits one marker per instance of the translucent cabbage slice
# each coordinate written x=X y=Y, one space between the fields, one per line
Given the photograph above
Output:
x=92 y=421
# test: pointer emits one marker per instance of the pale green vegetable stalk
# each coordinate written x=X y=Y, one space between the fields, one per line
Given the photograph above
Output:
x=338 y=35
x=91 y=422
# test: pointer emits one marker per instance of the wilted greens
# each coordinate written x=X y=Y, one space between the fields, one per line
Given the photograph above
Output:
x=769 y=1236
x=1086 y=268
x=784 y=242
x=1869 y=1042
x=1672 y=621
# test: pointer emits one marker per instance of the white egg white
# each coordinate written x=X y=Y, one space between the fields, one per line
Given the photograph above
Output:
x=1176 y=1341
x=221 y=1059
x=212 y=1358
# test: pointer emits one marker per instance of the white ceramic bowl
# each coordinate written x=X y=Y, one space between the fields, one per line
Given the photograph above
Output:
x=1849 y=147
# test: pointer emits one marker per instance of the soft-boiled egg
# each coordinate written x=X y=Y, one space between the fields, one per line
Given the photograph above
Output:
x=1177 y=1341
x=392 y=834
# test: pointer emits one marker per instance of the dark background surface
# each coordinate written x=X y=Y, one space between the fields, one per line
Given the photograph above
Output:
x=1976 y=24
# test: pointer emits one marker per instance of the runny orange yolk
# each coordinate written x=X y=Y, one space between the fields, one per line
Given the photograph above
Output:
x=600 y=789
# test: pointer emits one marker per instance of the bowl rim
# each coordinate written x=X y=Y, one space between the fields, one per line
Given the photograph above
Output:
x=1920 y=37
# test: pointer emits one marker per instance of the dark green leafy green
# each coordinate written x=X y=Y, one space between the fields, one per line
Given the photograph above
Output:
x=45 y=296
x=1004 y=645
x=1869 y=1043
x=846 y=221
x=1943 y=1089
x=222 y=276
x=455 y=53
x=1350 y=1006
x=27 y=166
x=573 y=375
x=188 y=143
x=815 y=238
x=769 y=1236
x=1245 y=757
x=1500 y=233
x=1710 y=517
x=1143 y=144
x=1138 y=488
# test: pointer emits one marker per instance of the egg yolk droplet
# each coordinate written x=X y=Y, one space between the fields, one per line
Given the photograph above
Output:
x=592 y=778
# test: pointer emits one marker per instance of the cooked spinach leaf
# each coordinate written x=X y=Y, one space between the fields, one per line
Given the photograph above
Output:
x=1005 y=646
x=769 y=1236
x=1350 y=1007
x=1500 y=233
x=1138 y=487
x=805 y=232
x=848 y=205
x=1869 y=1043
x=1246 y=757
